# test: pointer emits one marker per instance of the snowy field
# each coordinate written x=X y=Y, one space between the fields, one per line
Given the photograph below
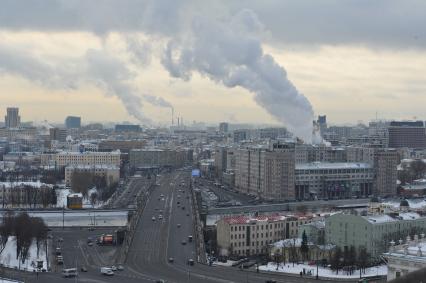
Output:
x=322 y=271
x=8 y=256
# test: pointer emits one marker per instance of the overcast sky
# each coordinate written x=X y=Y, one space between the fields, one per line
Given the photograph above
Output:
x=238 y=61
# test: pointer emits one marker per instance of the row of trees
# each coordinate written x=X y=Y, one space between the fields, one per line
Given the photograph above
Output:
x=349 y=259
x=27 y=174
x=25 y=229
x=412 y=171
x=28 y=196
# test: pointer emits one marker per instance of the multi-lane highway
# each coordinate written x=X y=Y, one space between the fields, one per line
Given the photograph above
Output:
x=156 y=240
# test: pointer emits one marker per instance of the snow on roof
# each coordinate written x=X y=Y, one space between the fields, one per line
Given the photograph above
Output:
x=383 y=218
x=75 y=195
x=247 y=219
x=414 y=203
x=332 y=165
x=37 y=184
x=293 y=242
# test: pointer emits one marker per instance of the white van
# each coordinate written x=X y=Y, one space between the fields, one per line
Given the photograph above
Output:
x=107 y=271
x=69 y=272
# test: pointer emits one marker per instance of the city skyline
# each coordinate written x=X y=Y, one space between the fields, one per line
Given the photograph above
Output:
x=373 y=67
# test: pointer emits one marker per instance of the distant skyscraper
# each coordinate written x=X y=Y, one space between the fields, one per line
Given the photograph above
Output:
x=73 y=122
x=223 y=127
x=322 y=122
x=409 y=134
x=57 y=134
x=12 y=118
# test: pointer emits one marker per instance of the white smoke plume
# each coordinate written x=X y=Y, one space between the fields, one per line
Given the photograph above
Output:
x=95 y=67
x=231 y=53
x=157 y=101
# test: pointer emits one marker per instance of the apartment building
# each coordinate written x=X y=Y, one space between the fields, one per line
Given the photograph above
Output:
x=266 y=173
x=155 y=157
x=245 y=235
x=385 y=163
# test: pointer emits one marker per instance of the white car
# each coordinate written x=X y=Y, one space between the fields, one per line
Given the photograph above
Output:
x=153 y=218
x=113 y=268
x=160 y=217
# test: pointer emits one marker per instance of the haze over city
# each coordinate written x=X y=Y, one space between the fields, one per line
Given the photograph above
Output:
x=225 y=141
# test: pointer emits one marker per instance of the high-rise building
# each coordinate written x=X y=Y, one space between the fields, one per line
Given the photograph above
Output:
x=73 y=122
x=322 y=122
x=57 y=134
x=266 y=173
x=12 y=118
x=409 y=134
x=385 y=163
x=223 y=127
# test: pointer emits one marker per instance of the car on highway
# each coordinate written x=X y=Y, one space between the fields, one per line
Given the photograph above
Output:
x=153 y=218
x=160 y=217
x=120 y=268
x=178 y=225
x=69 y=272
x=190 y=261
x=90 y=244
x=83 y=269
x=171 y=260
x=183 y=207
x=187 y=214
x=107 y=271
x=183 y=242
x=190 y=238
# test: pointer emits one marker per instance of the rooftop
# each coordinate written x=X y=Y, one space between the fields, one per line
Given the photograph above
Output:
x=332 y=165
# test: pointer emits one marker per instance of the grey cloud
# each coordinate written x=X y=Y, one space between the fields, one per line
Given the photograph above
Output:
x=230 y=54
x=387 y=23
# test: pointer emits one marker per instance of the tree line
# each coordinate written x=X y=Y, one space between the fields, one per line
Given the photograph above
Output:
x=25 y=229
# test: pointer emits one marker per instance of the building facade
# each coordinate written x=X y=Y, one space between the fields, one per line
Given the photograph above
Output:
x=67 y=158
x=266 y=173
x=12 y=118
x=325 y=180
x=372 y=232
x=409 y=134
x=245 y=236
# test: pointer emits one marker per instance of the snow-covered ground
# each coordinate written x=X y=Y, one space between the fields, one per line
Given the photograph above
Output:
x=323 y=271
x=8 y=256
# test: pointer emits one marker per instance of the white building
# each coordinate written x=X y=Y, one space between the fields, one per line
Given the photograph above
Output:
x=72 y=158
x=406 y=257
x=244 y=235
